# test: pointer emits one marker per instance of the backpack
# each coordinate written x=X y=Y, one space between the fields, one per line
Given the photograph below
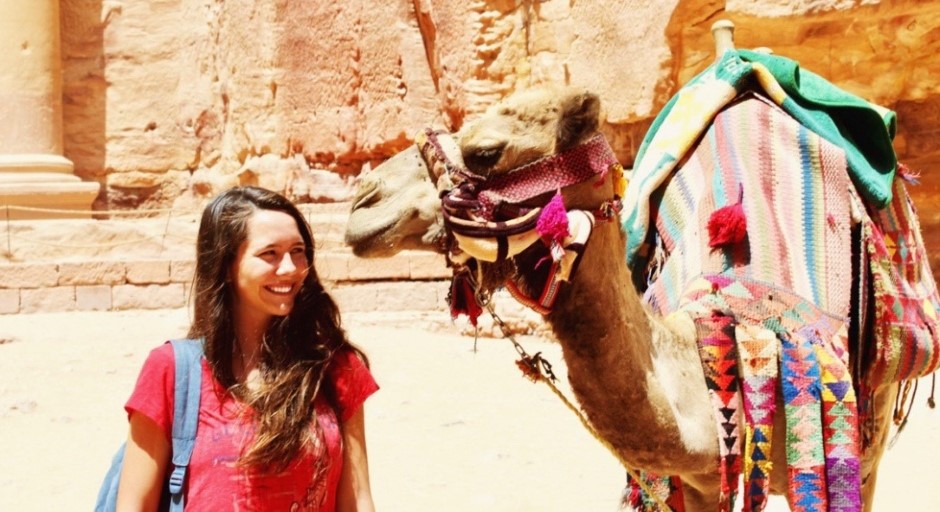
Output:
x=188 y=380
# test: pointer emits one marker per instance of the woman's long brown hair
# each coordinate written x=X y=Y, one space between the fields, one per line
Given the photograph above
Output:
x=297 y=348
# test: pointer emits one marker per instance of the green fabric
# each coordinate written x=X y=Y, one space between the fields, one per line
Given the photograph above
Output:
x=864 y=131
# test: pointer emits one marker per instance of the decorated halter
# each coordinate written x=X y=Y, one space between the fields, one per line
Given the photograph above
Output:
x=491 y=220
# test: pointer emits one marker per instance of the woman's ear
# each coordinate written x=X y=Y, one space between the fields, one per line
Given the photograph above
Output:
x=580 y=114
x=230 y=274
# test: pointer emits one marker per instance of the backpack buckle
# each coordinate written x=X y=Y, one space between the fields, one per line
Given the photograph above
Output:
x=176 y=479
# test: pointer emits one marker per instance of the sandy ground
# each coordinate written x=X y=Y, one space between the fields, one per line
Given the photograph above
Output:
x=449 y=430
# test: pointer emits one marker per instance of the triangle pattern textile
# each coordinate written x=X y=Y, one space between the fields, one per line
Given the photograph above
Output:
x=759 y=376
x=806 y=469
x=784 y=341
x=906 y=301
x=841 y=440
x=719 y=357
x=667 y=488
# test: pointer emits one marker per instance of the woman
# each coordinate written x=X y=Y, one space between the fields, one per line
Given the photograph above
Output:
x=280 y=418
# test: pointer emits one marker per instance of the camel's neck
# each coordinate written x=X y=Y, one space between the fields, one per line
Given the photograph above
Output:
x=601 y=302
x=632 y=375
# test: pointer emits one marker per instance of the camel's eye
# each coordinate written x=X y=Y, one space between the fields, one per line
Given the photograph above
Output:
x=482 y=158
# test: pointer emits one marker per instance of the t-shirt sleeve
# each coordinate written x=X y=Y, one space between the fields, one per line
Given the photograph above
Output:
x=153 y=393
x=352 y=383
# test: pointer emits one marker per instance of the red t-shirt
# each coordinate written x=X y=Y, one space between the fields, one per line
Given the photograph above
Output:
x=214 y=482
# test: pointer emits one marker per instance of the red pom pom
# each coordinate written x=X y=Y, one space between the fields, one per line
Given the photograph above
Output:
x=462 y=299
x=727 y=225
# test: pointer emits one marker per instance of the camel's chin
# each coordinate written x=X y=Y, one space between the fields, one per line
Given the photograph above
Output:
x=368 y=233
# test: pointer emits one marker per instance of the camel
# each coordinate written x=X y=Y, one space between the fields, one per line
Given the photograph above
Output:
x=636 y=374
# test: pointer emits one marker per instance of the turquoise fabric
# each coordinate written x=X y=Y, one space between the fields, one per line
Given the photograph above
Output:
x=863 y=130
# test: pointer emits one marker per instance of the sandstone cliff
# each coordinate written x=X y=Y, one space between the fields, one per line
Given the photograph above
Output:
x=168 y=101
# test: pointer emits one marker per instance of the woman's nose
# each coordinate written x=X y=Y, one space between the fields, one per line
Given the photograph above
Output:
x=286 y=266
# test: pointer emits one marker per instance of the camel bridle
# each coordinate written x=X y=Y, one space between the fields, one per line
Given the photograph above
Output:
x=492 y=219
x=468 y=218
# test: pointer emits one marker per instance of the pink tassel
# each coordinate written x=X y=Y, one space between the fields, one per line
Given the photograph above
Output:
x=727 y=225
x=906 y=174
x=552 y=226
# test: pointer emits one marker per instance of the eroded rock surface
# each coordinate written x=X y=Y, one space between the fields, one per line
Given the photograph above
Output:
x=167 y=102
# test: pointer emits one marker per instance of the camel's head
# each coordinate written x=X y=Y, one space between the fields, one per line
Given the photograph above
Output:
x=398 y=204
x=489 y=196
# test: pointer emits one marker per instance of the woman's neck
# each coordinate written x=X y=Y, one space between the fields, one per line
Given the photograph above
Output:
x=246 y=348
x=250 y=329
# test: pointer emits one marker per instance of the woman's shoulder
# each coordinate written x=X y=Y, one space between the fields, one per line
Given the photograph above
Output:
x=351 y=379
x=161 y=355
x=347 y=358
x=153 y=393
x=159 y=366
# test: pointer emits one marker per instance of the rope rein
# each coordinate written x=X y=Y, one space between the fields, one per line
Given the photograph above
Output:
x=470 y=206
x=537 y=369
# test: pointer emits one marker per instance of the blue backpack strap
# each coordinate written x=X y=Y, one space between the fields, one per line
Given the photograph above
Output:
x=188 y=383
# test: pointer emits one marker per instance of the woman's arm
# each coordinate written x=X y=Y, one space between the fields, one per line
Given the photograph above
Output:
x=354 y=493
x=146 y=456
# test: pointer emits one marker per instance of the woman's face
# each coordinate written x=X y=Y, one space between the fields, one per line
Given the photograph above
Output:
x=270 y=266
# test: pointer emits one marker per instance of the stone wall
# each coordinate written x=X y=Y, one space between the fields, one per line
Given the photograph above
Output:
x=168 y=101
x=147 y=263
x=409 y=283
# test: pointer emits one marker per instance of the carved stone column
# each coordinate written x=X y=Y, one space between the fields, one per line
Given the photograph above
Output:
x=33 y=170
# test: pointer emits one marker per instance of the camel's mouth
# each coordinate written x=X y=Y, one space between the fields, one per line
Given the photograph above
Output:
x=381 y=242
x=372 y=243
x=396 y=208
x=381 y=226
x=372 y=233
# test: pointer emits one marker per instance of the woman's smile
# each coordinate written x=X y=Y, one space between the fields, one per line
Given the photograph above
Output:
x=280 y=289
x=271 y=266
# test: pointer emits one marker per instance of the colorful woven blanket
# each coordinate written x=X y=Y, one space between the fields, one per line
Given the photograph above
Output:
x=777 y=299
x=773 y=307
x=906 y=304
x=864 y=131
x=796 y=198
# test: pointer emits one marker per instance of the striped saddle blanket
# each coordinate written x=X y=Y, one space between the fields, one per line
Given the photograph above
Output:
x=825 y=298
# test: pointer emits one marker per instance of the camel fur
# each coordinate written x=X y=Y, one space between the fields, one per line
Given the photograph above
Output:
x=637 y=376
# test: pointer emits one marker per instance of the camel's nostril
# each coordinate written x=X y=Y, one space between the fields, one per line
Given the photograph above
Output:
x=368 y=193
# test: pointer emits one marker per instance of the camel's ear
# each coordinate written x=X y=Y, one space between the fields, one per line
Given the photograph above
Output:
x=579 y=118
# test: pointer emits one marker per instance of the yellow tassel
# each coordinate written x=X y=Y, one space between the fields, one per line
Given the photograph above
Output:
x=619 y=180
